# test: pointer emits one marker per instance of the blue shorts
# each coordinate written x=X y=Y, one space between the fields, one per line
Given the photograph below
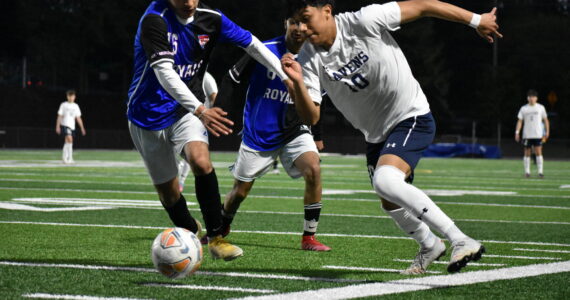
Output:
x=529 y=143
x=407 y=140
x=65 y=131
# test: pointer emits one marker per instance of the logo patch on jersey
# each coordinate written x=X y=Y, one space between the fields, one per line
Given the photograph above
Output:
x=204 y=39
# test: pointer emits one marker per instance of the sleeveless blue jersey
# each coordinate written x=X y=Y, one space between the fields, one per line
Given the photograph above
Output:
x=269 y=117
x=188 y=46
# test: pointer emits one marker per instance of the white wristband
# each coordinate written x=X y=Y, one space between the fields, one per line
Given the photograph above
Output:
x=475 y=21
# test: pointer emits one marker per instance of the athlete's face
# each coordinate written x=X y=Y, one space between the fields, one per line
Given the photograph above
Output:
x=70 y=97
x=294 y=33
x=184 y=8
x=532 y=99
x=317 y=24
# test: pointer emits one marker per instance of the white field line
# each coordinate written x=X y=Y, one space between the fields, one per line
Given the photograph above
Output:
x=351 y=236
x=14 y=206
x=521 y=257
x=75 y=297
x=371 y=269
x=474 y=264
x=565 y=186
x=209 y=288
x=204 y=273
x=541 y=250
x=150 y=203
x=422 y=283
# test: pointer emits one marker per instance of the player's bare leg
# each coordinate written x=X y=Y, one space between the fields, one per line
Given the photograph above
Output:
x=208 y=196
x=309 y=165
x=232 y=203
x=389 y=183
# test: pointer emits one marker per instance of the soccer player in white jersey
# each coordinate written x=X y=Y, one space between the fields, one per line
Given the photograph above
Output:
x=353 y=57
x=210 y=88
x=530 y=119
x=67 y=115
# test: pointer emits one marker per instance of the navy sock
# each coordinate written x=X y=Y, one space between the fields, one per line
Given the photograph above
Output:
x=208 y=195
x=180 y=215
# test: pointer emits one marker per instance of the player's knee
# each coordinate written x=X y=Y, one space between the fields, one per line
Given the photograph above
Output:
x=201 y=164
x=312 y=174
x=386 y=181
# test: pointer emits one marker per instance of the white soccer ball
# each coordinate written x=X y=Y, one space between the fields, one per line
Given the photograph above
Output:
x=176 y=253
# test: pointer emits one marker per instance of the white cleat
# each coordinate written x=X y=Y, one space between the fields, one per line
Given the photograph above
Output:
x=463 y=252
x=425 y=257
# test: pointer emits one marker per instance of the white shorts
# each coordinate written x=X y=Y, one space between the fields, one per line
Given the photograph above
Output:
x=158 y=147
x=252 y=164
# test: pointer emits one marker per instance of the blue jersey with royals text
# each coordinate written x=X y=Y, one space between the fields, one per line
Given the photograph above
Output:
x=162 y=37
x=269 y=116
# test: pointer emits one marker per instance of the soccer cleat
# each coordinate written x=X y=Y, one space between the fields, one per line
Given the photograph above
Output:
x=225 y=232
x=275 y=171
x=527 y=175
x=220 y=248
x=180 y=186
x=540 y=175
x=463 y=252
x=424 y=258
x=309 y=242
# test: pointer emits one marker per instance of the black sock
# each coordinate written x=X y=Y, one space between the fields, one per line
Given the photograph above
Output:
x=312 y=214
x=180 y=215
x=208 y=195
x=227 y=218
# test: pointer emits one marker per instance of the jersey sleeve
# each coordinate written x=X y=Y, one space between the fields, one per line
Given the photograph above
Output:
x=154 y=39
x=543 y=114
x=232 y=33
x=520 y=114
x=376 y=18
x=310 y=77
x=233 y=88
x=209 y=85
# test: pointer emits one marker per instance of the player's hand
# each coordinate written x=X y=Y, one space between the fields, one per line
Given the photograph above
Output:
x=214 y=119
x=545 y=138
x=83 y=132
x=517 y=137
x=291 y=67
x=58 y=130
x=488 y=26
x=320 y=145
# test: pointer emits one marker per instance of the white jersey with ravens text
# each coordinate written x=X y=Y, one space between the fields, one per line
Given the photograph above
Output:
x=365 y=72
x=532 y=117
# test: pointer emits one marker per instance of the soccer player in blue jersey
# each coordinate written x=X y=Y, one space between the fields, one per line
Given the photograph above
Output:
x=272 y=129
x=173 y=45
x=355 y=59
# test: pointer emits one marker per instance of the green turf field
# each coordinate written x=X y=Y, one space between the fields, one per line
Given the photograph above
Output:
x=84 y=232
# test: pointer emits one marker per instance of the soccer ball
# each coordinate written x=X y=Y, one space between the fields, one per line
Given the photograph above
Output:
x=176 y=253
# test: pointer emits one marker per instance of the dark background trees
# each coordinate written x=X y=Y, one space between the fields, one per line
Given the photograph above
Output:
x=87 y=45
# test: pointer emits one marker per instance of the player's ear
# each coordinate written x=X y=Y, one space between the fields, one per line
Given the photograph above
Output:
x=327 y=10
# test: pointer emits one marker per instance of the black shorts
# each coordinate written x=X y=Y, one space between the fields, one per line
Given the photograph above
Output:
x=407 y=140
x=65 y=131
x=528 y=143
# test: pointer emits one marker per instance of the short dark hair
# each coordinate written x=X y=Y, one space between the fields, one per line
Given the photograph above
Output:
x=293 y=6
x=532 y=93
x=70 y=92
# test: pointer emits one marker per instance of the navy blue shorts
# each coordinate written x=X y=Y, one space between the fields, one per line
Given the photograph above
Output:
x=65 y=131
x=528 y=143
x=407 y=140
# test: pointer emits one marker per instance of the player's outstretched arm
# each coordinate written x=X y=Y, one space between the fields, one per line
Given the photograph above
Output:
x=304 y=105
x=485 y=24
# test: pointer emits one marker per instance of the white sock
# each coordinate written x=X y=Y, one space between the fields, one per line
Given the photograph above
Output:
x=70 y=152
x=526 y=162
x=66 y=152
x=390 y=184
x=183 y=170
x=540 y=164
x=412 y=226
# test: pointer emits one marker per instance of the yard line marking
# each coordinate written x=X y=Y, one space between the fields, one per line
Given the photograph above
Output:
x=151 y=203
x=371 y=269
x=14 y=206
x=541 y=250
x=445 y=263
x=522 y=257
x=75 y=297
x=273 y=232
x=204 y=273
x=501 y=205
x=565 y=186
x=423 y=283
x=209 y=288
